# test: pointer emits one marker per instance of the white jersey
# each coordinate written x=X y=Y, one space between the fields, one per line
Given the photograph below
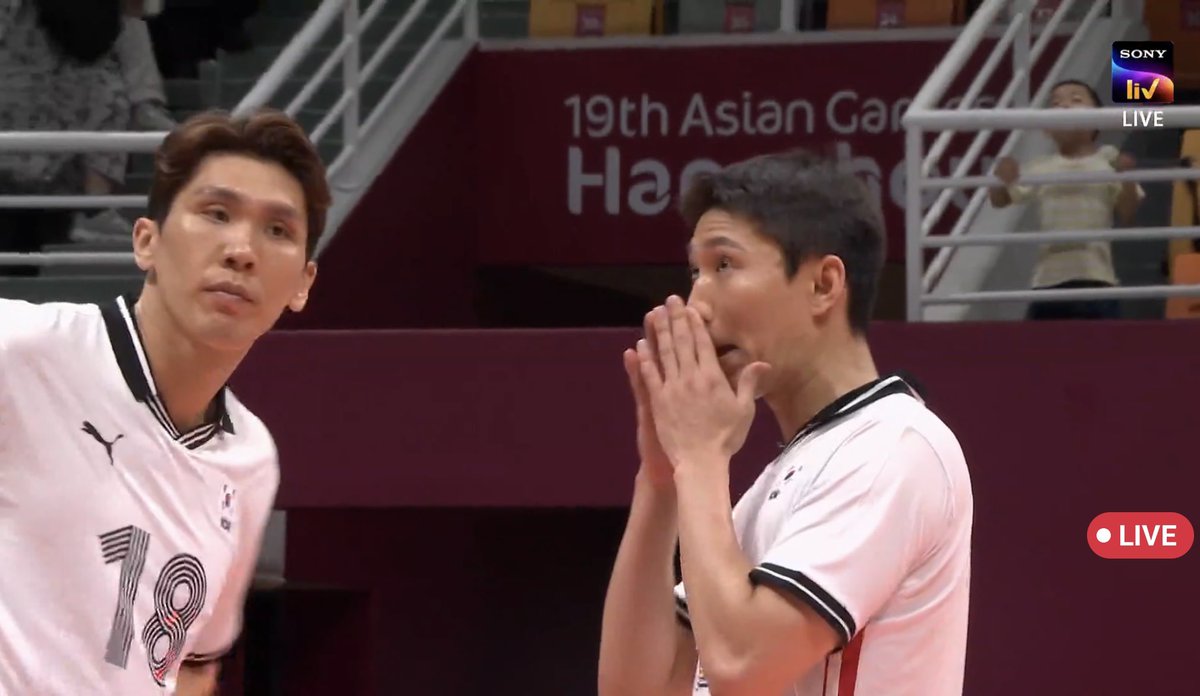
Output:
x=866 y=517
x=126 y=546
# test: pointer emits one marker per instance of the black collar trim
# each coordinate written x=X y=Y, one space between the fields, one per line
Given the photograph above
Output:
x=126 y=339
x=855 y=399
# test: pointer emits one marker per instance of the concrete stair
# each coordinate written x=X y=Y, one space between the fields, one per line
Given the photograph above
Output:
x=224 y=82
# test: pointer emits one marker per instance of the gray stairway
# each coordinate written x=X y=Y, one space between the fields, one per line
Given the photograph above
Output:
x=224 y=82
x=280 y=20
x=278 y=23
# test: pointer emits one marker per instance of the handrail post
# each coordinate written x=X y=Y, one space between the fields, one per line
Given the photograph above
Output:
x=914 y=287
x=960 y=51
x=1127 y=9
x=350 y=74
x=471 y=21
x=787 y=16
x=289 y=59
x=1021 y=67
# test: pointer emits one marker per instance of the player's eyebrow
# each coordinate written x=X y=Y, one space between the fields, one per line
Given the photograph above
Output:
x=280 y=210
x=713 y=243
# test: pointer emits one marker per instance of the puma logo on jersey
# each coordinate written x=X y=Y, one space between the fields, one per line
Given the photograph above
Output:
x=108 y=446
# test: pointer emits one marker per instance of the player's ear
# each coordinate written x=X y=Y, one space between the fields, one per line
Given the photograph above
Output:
x=828 y=282
x=300 y=299
x=145 y=242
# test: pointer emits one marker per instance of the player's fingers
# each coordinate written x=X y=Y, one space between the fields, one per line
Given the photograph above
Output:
x=668 y=362
x=681 y=335
x=706 y=352
x=648 y=330
x=651 y=378
x=633 y=368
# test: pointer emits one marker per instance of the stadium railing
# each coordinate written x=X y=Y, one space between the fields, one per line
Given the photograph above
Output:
x=354 y=74
x=1013 y=112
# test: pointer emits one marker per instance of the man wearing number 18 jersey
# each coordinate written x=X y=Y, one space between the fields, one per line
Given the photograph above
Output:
x=134 y=486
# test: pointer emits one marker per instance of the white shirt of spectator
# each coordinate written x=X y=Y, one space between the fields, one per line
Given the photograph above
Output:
x=1073 y=207
x=866 y=517
x=126 y=546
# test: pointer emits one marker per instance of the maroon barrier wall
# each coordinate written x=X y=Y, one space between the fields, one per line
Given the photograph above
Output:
x=469 y=486
x=407 y=251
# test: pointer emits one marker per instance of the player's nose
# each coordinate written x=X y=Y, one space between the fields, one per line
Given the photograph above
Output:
x=698 y=301
x=238 y=250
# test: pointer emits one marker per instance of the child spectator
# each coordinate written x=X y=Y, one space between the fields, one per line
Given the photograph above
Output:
x=1069 y=206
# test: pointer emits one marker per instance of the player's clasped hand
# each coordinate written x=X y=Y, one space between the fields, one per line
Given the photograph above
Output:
x=655 y=465
x=697 y=414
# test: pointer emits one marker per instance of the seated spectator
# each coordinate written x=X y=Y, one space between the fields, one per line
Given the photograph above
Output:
x=50 y=84
x=148 y=103
x=1073 y=207
x=135 y=53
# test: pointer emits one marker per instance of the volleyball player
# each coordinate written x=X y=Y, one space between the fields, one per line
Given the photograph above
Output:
x=844 y=569
x=134 y=486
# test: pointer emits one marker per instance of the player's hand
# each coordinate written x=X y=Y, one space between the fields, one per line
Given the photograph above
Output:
x=1125 y=162
x=697 y=414
x=197 y=679
x=1007 y=170
x=655 y=466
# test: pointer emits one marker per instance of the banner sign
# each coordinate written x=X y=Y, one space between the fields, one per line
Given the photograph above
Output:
x=583 y=153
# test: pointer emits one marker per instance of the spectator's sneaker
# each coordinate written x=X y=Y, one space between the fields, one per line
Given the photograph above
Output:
x=106 y=226
x=152 y=116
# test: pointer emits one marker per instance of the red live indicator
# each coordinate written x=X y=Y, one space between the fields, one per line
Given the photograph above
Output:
x=1140 y=535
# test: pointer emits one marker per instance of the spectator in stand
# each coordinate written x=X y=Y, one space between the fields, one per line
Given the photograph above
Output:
x=190 y=31
x=59 y=73
x=64 y=68
x=135 y=51
x=148 y=103
x=1080 y=264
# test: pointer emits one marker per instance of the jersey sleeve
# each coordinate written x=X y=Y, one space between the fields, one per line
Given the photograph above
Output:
x=24 y=328
x=851 y=539
x=225 y=625
x=20 y=323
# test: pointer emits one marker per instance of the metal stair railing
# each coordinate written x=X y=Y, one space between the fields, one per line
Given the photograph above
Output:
x=348 y=54
x=924 y=117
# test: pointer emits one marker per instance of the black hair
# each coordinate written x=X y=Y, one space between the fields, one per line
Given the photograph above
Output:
x=810 y=207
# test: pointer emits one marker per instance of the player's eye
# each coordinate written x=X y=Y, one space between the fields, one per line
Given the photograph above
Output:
x=217 y=214
x=724 y=264
x=279 y=231
x=693 y=272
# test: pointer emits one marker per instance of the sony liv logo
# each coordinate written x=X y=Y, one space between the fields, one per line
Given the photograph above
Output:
x=1142 y=53
x=1140 y=535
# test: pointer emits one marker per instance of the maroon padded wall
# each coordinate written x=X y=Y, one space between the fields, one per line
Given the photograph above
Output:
x=464 y=491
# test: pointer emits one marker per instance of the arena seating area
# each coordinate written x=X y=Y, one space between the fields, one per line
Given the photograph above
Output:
x=631 y=17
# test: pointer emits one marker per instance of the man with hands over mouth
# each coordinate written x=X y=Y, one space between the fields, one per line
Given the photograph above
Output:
x=844 y=569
